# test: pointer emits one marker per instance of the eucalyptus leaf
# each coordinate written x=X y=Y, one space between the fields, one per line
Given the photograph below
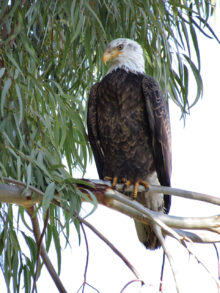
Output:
x=48 y=196
x=5 y=89
x=51 y=55
x=2 y=71
x=56 y=239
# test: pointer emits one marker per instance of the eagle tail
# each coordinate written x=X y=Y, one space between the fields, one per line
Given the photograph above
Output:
x=147 y=235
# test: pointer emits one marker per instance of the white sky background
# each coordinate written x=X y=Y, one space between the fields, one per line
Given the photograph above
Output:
x=196 y=161
x=196 y=166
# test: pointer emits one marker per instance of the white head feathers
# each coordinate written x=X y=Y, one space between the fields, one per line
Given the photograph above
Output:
x=126 y=54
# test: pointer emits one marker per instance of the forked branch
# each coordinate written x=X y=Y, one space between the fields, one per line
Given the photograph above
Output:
x=183 y=229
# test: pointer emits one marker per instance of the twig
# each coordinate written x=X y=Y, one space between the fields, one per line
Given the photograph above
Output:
x=43 y=252
x=89 y=286
x=207 y=270
x=159 y=234
x=104 y=239
x=87 y=256
x=87 y=262
x=39 y=245
x=217 y=254
x=162 y=272
x=129 y=283
x=113 y=248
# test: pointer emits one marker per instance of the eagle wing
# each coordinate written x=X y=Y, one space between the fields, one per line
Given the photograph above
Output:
x=93 y=130
x=159 y=122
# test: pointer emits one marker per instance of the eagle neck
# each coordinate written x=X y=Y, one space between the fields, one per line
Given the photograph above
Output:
x=128 y=67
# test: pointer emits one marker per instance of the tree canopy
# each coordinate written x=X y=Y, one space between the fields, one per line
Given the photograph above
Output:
x=50 y=55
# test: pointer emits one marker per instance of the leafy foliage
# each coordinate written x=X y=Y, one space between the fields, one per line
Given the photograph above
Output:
x=50 y=54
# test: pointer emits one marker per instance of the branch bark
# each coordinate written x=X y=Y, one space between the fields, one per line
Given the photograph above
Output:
x=43 y=252
x=210 y=226
x=202 y=229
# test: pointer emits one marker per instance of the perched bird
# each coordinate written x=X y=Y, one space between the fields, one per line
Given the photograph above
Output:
x=129 y=129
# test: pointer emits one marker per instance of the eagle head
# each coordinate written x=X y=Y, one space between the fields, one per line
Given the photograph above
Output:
x=126 y=54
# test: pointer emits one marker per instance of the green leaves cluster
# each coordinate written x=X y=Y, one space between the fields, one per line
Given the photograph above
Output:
x=50 y=55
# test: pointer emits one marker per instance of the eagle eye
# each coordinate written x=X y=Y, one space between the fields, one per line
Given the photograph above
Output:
x=120 y=47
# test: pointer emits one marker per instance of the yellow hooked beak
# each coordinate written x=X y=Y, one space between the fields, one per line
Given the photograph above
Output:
x=109 y=55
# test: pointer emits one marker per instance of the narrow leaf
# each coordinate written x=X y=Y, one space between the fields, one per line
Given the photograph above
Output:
x=6 y=87
x=2 y=71
x=56 y=239
x=48 y=196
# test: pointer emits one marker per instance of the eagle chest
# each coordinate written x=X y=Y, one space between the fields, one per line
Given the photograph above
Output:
x=123 y=126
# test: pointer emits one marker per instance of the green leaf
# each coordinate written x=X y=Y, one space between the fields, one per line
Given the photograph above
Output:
x=198 y=80
x=96 y=17
x=15 y=270
x=5 y=89
x=2 y=71
x=27 y=279
x=48 y=236
x=20 y=102
x=31 y=245
x=48 y=196
x=29 y=174
x=56 y=239
x=14 y=62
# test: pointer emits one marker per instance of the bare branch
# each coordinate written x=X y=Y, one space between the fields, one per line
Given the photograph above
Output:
x=205 y=229
x=165 y=190
x=207 y=270
x=43 y=252
x=115 y=200
x=39 y=245
x=113 y=248
x=129 y=283
x=159 y=234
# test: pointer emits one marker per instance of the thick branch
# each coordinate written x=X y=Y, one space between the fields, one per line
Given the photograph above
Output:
x=117 y=201
x=166 y=190
x=163 y=224
x=16 y=194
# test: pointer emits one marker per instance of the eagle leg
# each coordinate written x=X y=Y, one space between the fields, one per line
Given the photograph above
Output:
x=127 y=183
x=136 y=186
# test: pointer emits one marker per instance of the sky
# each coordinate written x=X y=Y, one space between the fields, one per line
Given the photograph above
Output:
x=196 y=167
x=196 y=162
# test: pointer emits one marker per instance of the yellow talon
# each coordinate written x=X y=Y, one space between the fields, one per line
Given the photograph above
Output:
x=114 y=182
x=135 y=190
x=144 y=183
x=136 y=186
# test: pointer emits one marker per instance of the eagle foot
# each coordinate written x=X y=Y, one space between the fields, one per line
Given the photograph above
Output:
x=136 y=186
x=113 y=180
x=127 y=183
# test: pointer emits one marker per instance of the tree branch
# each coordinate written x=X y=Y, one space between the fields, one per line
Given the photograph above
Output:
x=205 y=229
x=117 y=201
x=159 y=234
x=43 y=252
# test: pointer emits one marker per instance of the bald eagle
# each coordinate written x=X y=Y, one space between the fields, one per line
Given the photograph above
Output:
x=129 y=129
